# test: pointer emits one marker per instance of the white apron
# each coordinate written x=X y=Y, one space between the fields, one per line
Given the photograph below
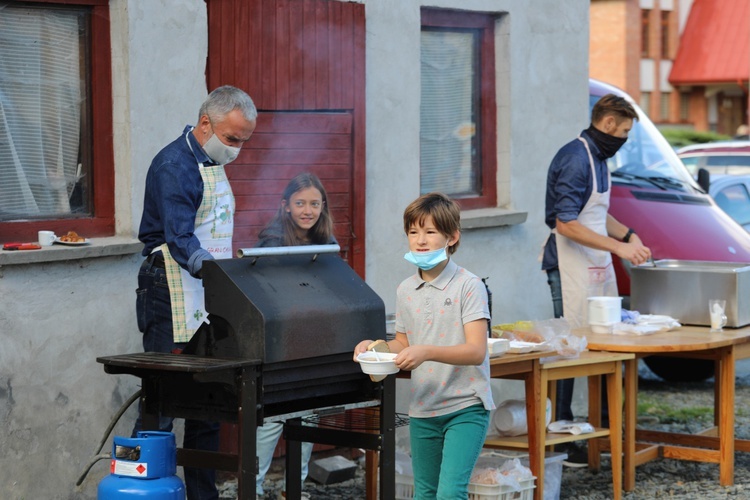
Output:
x=584 y=271
x=214 y=225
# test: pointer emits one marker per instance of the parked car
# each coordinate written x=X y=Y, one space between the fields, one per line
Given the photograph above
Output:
x=653 y=193
x=732 y=194
x=722 y=157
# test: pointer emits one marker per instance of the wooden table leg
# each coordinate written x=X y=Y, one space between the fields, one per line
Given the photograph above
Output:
x=725 y=379
x=536 y=390
x=595 y=418
x=614 y=403
x=631 y=392
x=371 y=474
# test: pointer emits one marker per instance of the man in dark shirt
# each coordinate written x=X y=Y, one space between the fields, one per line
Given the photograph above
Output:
x=577 y=256
x=188 y=218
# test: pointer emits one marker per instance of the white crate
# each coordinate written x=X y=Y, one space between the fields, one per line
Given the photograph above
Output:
x=404 y=487
x=502 y=491
x=405 y=490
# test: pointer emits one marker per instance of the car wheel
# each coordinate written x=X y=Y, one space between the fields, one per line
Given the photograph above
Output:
x=680 y=369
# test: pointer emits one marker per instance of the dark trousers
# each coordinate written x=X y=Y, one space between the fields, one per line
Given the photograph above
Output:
x=154 y=311
x=563 y=410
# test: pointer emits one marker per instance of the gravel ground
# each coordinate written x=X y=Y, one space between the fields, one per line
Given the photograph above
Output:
x=674 y=479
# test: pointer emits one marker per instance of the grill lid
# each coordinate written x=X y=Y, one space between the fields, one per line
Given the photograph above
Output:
x=290 y=303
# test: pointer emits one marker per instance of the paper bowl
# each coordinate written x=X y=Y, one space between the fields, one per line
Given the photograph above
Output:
x=370 y=364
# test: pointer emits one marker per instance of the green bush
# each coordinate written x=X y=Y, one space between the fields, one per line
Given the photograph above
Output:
x=679 y=137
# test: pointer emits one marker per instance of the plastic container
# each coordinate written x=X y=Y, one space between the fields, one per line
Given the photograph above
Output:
x=509 y=419
x=604 y=313
x=405 y=490
x=404 y=487
x=553 y=467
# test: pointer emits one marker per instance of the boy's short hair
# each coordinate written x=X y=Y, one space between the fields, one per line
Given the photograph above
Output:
x=614 y=105
x=445 y=213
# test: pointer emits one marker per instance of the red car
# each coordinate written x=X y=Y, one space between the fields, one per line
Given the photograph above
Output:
x=653 y=193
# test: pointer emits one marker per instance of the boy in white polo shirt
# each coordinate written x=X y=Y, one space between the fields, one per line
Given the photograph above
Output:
x=441 y=336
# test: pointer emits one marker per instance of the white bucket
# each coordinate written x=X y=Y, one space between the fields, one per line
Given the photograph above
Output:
x=605 y=310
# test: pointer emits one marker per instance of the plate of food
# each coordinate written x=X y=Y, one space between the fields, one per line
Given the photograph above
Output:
x=71 y=238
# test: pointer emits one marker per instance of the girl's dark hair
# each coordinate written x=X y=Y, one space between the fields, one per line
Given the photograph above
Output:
x=320 y=234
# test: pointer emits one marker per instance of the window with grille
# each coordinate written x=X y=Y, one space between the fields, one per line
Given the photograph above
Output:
x=55 y=118
x=665 y=46
x=646 y=102
x=645 y=32
x=665 y=107
x=458 y=110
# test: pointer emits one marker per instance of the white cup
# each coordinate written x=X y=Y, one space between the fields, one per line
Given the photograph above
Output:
x=46 y=238
x=716 y=310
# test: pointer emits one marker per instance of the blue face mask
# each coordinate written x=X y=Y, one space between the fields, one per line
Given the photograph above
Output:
x=427 y=260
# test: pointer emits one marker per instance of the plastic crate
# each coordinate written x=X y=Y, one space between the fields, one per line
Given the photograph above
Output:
x=404 y=487
x=405 y=490
x=502 y=491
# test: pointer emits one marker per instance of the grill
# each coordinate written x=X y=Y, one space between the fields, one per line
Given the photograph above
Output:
x=282 y=325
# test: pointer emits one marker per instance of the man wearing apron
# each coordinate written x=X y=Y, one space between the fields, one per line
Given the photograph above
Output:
x=188 y=218
x=577 y=255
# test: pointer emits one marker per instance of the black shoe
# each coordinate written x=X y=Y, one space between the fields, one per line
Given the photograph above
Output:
x=578 y=455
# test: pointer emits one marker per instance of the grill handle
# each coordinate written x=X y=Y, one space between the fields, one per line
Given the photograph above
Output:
x=293 y=250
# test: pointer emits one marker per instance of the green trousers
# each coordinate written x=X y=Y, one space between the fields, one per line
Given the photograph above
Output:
x=444 y=450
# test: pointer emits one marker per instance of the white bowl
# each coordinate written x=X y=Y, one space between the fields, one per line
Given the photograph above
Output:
x=370 y=364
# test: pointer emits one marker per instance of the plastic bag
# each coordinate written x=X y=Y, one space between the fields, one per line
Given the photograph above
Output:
x=510 y=474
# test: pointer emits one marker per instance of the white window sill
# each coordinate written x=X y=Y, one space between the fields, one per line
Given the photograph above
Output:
x=491 y=217
x=99 y=247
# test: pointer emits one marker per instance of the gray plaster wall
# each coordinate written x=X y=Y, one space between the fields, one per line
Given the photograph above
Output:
x=57 y=317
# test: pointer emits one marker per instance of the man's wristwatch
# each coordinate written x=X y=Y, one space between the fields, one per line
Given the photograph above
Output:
x=626 y=238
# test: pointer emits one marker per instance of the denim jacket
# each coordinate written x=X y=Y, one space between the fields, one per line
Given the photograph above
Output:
x=569 y=186
x=174 y=191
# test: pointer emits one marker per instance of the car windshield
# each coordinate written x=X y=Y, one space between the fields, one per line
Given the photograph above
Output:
x=648 y=157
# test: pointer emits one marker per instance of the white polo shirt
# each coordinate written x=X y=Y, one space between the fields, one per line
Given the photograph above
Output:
x=434 y=313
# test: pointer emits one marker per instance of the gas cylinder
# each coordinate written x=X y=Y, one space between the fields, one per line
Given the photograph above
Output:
x=143 y=467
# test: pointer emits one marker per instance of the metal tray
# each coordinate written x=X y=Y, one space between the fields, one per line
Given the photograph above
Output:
x=682 y=289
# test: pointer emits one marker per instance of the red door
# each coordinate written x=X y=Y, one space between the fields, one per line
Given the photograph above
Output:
x=302 y=62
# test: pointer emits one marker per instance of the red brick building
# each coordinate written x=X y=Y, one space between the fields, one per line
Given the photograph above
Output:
x=687 y=62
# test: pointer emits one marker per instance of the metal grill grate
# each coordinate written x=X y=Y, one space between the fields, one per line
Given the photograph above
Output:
x=360 y=419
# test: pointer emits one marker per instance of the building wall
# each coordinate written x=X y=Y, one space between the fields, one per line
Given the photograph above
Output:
x=58 y=317
x=615 y=51
x=610 y=41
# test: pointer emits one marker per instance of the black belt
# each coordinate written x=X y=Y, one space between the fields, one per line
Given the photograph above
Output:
x=156 y=259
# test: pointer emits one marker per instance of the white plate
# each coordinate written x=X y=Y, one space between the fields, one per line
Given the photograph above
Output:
x=73 y=243
x=519 y=347
x=496 y=347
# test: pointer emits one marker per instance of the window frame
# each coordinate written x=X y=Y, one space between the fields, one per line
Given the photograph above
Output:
x=101 y=222
x=665 y=22
x=645 y=33
x=487 y=126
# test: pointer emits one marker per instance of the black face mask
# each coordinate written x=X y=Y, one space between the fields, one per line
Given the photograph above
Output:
x=608 y=144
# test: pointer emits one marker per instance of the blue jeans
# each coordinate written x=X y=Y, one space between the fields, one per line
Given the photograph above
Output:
x=444 y=450
x=154 y=312
x=267 y=436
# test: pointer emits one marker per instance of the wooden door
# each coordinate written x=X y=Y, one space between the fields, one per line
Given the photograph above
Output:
x=302 y=62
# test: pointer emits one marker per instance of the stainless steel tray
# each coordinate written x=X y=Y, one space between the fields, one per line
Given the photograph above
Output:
x=682 y=289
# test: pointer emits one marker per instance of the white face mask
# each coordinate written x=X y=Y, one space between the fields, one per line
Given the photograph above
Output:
x=220 y=152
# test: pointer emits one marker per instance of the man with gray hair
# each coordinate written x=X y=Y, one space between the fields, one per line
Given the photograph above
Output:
x=188 y=218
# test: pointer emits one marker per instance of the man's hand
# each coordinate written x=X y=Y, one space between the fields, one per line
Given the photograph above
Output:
x=634 y=251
